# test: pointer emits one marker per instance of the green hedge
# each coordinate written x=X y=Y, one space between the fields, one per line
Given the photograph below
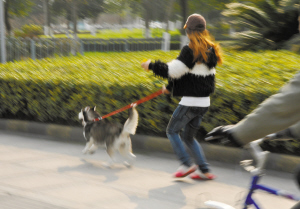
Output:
x=30 y=31
x=121 y=34
x=54 y=90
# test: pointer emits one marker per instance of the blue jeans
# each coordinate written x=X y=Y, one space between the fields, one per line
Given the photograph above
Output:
x=188 y=119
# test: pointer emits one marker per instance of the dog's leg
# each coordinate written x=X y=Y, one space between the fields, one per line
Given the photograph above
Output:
x=130 y=155
x=88 y=145
x=126 y=150
x=111 y=153
x=93 y=148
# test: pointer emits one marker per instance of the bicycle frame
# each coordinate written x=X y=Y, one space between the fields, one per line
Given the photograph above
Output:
x=257 y=174
x=255 y=186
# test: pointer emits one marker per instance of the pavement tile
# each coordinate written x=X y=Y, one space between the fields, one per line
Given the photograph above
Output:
x=8 y=170
x=6 y=148
x=43 y=174
x=54 y=163
x=21 y=155
x=92 y=195
x=9 y=201
x=36 y=181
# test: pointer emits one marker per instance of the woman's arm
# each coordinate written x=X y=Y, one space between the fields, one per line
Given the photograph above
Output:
x=176 y=68
x=276 y=113
x=159 y=69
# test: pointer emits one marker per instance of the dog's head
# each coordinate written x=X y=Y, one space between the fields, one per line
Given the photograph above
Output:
x=88 y=114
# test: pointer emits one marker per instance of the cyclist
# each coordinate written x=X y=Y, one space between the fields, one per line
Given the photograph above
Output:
x=279 y=114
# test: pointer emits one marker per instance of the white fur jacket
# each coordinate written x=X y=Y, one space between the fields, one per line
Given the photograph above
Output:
x=188 y=78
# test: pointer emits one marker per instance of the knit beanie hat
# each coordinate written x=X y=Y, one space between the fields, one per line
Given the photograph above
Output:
x=195 y=22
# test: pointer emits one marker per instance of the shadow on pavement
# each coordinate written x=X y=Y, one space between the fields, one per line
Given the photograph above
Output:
x=96 y=169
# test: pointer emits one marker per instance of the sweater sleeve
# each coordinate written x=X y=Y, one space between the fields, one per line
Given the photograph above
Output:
x=170 y=82
x=159 y=69
x=276 y=113
x=176 y=68
x=170 y=85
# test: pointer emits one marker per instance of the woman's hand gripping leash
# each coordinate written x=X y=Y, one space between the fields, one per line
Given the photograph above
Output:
x=145 y=65
x=165 y=90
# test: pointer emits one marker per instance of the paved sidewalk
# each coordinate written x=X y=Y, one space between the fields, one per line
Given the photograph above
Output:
x=40 y=173
x=278 y=162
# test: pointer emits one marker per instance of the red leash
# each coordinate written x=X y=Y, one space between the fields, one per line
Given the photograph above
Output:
x=151 y=96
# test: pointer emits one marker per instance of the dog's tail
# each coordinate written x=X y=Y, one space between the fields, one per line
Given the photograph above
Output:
x=132 y=122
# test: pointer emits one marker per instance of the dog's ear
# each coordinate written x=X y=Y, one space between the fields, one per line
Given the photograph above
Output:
x=95 y=108
x=87 y=108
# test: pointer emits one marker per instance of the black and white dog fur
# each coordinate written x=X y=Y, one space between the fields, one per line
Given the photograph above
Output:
x=114 y=136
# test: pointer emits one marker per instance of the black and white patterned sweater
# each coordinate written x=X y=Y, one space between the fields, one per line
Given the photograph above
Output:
x=188 y=78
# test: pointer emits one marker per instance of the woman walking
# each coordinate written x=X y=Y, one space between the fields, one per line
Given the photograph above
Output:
x=192 y=76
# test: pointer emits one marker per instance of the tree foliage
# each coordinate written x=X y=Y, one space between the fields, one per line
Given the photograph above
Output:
x=123 y=8
x=19 y=8
x=206 y=7
x=16 y=8
x=85 y=8
x=268 y=24
x=90 y=8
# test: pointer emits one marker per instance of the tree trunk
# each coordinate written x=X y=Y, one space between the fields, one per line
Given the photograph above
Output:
x=120 y=19
x=299 y=19
x=299 y=23
x=147 y=18
x=46 y=18
x=168 y=13
x=74 y=17
x=68 y=25
x=6 y=16
x=184 y=9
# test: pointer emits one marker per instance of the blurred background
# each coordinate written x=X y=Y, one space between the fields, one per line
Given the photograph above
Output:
x=91 y=16
x=259 y=24
x=61 y=55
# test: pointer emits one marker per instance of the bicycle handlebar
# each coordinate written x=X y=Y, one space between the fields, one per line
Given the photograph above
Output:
x=259 y=155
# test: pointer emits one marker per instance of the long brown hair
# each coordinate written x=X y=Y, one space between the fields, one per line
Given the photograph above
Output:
x=200 y=43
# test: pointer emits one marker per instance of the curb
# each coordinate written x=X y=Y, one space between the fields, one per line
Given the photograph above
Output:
x=278 y=162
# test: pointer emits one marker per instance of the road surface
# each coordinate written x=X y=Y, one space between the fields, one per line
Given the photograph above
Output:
x=41 y=172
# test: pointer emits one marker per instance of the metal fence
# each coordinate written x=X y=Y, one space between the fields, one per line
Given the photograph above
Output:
x=22 y=49
x=121 y=45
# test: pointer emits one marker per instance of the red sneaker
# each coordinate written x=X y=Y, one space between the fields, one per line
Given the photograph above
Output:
x=198 y=176
x=184 y=170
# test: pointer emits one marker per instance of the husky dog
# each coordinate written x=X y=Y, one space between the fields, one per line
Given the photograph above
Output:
x=114 y=136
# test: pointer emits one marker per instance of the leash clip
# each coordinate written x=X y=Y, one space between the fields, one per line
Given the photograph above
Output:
x=97 y=119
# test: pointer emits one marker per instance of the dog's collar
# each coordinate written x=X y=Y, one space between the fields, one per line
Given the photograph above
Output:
x=97 y=119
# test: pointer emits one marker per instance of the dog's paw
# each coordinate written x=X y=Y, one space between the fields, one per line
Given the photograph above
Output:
x=84 y=151
x=131 y=157
x=127 y=164
x=108 y=164
x=91 y=152
x=130 y=160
